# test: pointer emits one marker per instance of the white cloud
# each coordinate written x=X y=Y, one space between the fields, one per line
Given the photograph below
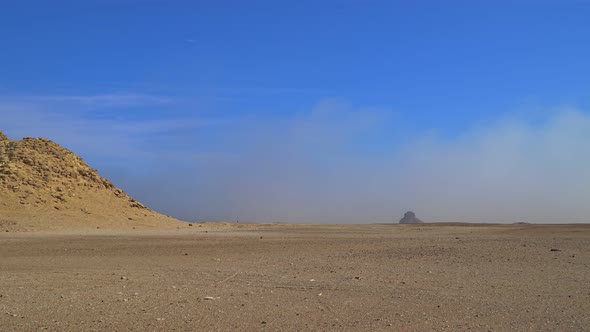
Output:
x=61 y=119
x=104 y=100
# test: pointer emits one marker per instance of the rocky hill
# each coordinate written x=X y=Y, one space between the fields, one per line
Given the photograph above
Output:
x=44 y=186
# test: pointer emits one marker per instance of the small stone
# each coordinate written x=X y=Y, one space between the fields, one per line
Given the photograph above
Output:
x=554 y=249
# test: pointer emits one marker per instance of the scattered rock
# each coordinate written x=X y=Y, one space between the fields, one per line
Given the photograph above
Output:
x=554 y=249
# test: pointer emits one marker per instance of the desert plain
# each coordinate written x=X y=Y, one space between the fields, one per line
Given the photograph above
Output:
x=286 y=277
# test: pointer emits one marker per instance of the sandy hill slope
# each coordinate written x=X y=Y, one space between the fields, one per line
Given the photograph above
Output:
x=44 y=186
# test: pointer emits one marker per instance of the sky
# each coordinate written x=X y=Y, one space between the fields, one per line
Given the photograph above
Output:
x=350 y=111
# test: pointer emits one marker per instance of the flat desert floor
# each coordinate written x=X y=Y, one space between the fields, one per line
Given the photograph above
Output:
x=274 y=277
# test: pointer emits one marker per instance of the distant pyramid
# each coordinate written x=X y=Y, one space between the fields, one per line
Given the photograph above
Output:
x=44 y=186
x=410 y=218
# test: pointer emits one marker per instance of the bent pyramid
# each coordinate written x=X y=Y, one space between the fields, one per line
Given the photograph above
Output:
x=410 y=218
x=44 y=186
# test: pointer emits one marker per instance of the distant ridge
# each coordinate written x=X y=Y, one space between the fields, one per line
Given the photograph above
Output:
x=44 y=186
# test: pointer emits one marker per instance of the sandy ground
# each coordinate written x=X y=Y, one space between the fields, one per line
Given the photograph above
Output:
x=298 y=278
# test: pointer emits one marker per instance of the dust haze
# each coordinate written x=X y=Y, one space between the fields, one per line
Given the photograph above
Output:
x=331 y=164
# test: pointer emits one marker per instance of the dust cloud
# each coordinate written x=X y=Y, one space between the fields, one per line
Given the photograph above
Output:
x=333 y=164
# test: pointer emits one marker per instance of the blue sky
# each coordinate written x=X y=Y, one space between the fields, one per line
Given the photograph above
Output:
x=312 y=111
